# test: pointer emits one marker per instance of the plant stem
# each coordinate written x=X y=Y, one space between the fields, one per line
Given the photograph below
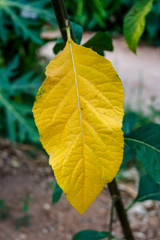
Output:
x=130 y=205
x=111 y=218
x=62 y=16
x=121 y=212
x=63 y=22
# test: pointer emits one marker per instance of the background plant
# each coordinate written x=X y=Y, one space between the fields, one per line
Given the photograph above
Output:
x=4 y=209
x=21 y=24
x=108 y=15
x=25 y=219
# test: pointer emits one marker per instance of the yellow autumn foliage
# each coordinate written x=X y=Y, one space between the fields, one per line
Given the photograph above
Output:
x=79 y=112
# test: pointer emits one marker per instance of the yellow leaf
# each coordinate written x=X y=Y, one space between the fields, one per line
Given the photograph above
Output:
x=78 y=112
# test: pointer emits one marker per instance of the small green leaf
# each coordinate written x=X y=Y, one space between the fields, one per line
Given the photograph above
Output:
x=56 y=193
x=100 y=42
x=58 y=46
x=5 y=84
x=145 y=141
x=77 y=32
x=129 y=122
x=25 y=207
x=127 y=155
x=148 y=189
x=3 y=30
x=4 y=209
x=11 y=124
x=90 y=235
x=23 y=221
x=13 y=65
x=134 y=22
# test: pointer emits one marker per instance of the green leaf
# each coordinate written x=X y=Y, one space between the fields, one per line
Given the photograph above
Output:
x=12 y=67
x=145 y=141
x=56 y=194
x=18 y=22
x=134 y=22
x=58 y=46
x=129 y=122
x=3 y=30
x=5 y=84
x=23 y=108
x=4 y=209
x=18 y=114
x=23 y=221
x=23 y=123
x=13 y=64
x=28 y=83
x=11 y=125
x=25 y=207
x=100 y=42
x=77 y=32
x=127 y=155
x=148 y=189
x=90 y=235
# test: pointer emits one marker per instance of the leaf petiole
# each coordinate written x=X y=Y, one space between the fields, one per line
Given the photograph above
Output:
x=68 y=30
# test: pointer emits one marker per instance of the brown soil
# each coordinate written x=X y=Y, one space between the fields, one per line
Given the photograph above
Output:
x=24 y=170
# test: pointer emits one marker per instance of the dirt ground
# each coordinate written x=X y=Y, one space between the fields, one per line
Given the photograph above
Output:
x=24 y=170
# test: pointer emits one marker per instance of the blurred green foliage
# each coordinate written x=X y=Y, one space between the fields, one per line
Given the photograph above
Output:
x=21 y=23
x=90 y=235
x=134 y=23
x=109 y=15
x=4 y=209
x=24 y=220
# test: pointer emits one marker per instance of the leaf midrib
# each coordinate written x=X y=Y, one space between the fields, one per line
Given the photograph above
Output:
x=76 y=83
x=143 y=143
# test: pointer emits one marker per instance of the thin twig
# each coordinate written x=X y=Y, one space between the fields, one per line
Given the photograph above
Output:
x=111 y=218
x=62 y=16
